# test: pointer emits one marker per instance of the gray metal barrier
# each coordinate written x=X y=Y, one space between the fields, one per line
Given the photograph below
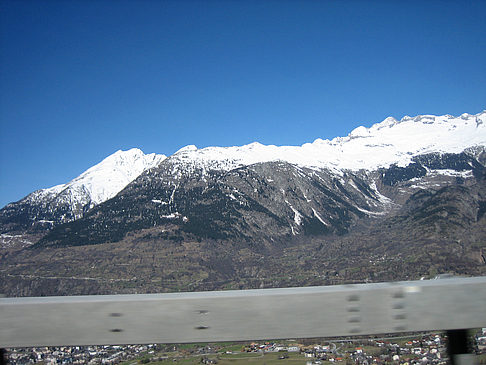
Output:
x=329 y=311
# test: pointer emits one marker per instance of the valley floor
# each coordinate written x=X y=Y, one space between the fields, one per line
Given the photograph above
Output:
x=423 y=348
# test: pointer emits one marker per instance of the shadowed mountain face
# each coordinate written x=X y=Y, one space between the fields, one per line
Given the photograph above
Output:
x=193 y=222
x=262 y=202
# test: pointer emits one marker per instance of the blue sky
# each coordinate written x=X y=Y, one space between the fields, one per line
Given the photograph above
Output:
x=82 y=79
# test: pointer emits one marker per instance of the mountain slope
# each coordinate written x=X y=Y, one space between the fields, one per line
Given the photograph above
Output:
x=273 y=202
x=265 y=201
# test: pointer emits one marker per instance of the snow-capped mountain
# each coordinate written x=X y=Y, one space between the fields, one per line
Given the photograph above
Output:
x=258 y=193
x=402 y=199
x=70 y=201
x=104 y=180
x=324 y=186
x=383 y=144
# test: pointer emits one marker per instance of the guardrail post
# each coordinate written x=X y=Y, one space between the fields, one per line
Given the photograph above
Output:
x=3 y=357
x=458 y=347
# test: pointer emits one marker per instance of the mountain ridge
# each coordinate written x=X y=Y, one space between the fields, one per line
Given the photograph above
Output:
x=380 y=145
x=474 y=139
x=390 y=144
x=262 y=216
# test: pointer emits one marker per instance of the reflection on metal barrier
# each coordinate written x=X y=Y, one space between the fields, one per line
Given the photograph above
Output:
x=362 y=309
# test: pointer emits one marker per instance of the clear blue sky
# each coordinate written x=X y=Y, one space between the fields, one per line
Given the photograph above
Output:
x=82 y=79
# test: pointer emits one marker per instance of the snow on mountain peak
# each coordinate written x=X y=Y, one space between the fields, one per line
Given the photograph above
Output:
x=102 y=181
x=359 y=132
x=187 y=148
x=385 y=143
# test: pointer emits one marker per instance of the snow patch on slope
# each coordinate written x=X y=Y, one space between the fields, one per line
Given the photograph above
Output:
x=297 y=216
x=319 y=217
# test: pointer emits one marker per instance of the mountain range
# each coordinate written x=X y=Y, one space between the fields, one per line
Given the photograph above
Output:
x=402 y=199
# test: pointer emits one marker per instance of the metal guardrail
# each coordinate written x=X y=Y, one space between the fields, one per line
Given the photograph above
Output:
x=328 y=311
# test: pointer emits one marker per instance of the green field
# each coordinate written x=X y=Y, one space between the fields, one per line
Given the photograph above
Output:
x=239 y=358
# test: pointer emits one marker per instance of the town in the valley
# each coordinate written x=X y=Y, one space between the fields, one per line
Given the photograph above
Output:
x=410 y=349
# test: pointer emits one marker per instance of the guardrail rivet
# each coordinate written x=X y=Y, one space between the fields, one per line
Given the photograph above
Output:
x=353 y=298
